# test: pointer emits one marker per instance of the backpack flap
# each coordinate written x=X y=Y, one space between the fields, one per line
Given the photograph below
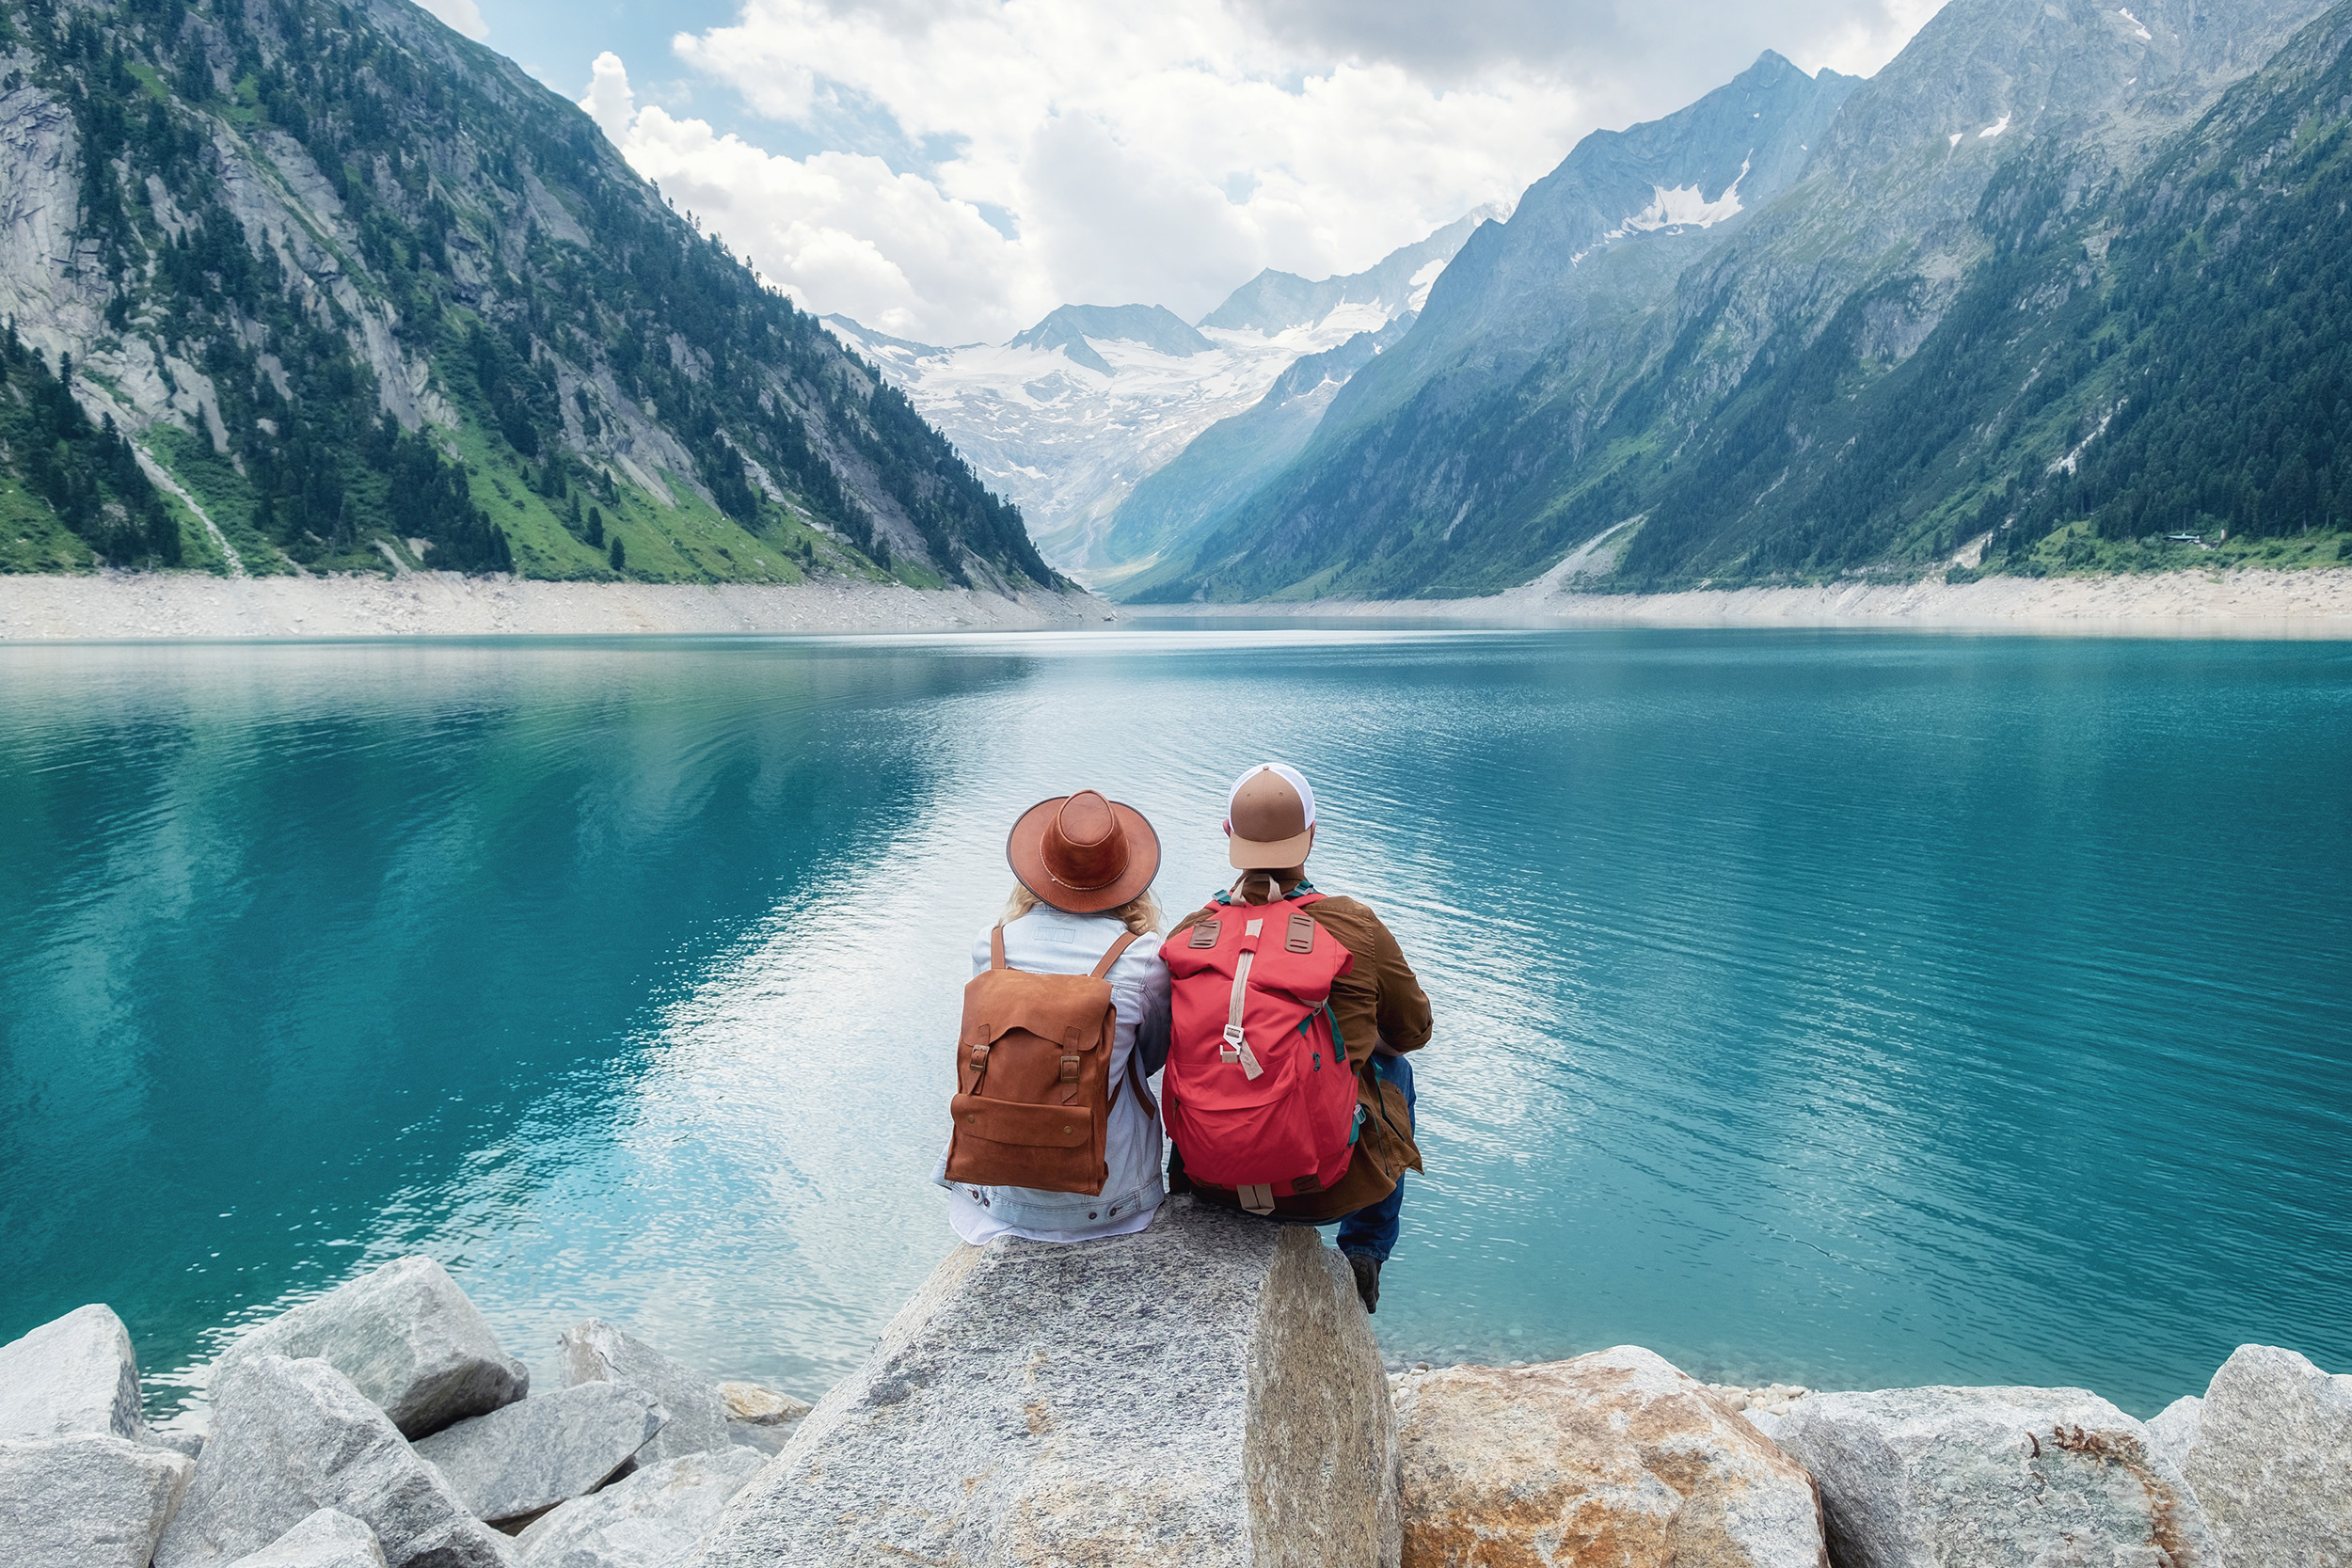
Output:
x=1010 y=1122
x=1065 y=1008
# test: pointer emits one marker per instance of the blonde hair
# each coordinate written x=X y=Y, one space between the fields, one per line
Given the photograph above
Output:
x=1139 y=915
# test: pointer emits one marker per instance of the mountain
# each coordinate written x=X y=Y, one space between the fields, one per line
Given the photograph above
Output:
x=1069 y=416
x=2166 y=354
x=1152 y=327
x=1200 y=488
x=328 y=287
x=1492 y=466
x=1277 y=301
x=1599 y=239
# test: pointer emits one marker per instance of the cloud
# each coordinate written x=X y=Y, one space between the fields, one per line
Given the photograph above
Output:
x=463 y=16
x=609 y=103
x=989 y=159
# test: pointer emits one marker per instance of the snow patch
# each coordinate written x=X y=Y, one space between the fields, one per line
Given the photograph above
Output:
x=1423 y=282
x=1996 y=128
x=1684 y=207
x=2137 y=27
x=1956 y=136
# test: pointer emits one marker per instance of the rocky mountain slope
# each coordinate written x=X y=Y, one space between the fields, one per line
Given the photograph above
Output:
x=2006 y=126
x=1069 y=416
x=360 y=295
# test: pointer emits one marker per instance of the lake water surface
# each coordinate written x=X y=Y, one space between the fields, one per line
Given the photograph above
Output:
x=1855 y=1009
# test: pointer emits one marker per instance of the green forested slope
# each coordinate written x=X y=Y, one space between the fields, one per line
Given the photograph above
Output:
x=372 y=297
x=2100 y=349
x=69 y=489
x=2172 y=357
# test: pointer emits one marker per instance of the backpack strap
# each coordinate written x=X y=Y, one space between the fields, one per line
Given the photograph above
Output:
x=1143 y=1090
x=996 y=945
x=1118 y=949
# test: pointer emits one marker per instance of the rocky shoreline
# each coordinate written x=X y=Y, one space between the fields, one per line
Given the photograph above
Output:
x=126 y=606
x=1205 y=1393
x=120 y=605
x=2242 y=603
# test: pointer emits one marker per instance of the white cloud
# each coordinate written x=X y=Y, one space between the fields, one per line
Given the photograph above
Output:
x=609 y=103
x=464 y=16
x=1160 y=150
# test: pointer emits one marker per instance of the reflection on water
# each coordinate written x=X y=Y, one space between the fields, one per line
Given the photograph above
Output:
x=1850 y=1009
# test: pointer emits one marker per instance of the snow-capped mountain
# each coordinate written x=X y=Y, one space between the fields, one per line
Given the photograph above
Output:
x=1069 y=416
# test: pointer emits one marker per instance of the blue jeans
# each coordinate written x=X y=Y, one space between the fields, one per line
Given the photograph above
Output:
x=1370 y=1231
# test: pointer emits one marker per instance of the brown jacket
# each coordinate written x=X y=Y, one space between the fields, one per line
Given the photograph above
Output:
x=1379 y=1000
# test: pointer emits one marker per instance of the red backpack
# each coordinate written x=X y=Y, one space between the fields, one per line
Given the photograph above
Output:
x=1258 y=1094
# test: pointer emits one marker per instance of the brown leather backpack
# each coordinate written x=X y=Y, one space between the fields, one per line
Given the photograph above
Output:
x=1033 y=1074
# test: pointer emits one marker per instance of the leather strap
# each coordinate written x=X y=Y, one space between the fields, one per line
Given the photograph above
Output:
x=997 y=947
x=1117 y=950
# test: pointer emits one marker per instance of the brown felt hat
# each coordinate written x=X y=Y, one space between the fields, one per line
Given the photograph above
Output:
x=1083 y=854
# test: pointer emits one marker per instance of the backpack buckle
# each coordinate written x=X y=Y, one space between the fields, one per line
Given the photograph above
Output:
x=1238 y=1049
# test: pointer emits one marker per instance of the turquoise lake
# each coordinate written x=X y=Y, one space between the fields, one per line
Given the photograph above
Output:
x=1855 y=1009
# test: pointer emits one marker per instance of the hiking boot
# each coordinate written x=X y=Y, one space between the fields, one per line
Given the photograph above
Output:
x=1367 y=1272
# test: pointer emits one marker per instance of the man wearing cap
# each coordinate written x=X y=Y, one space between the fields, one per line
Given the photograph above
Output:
x=1377 y=1006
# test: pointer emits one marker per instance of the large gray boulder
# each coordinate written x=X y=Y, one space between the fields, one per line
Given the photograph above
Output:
x=76 y=1374
x=2272 y=1462
x=651 y=1520
x=596 y=1352
x=325 y=1540
x=292 y=1437
x=529 y=1457
x=86 y=1501
x=1992 y=1478
x=407 y=1338
x=1205 y=1393
x=2173 y=1431
x=1616 y=1457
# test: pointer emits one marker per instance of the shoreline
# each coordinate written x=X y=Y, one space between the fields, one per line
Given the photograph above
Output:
x=2244 y=603
x=140 y=606
x=2252 y=603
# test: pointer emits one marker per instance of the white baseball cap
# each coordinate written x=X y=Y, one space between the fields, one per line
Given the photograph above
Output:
x=1269 y=819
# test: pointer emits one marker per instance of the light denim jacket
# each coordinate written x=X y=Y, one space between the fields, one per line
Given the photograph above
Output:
x=1048 y=941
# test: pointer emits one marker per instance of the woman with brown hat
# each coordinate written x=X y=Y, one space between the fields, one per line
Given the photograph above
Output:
x=1083 y=867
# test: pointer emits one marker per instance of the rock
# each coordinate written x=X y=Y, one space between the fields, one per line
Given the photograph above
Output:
x=1614 y=1458
x=406 y=1338
x=1206 y=1392
x=750 y=1403
x=325 y=1540
x=2272 y=1461
x=531 y=1456
x=596 y=1352
x=761 y=1417
x=76 y=1374
x=751 y=1434
x=189 y=1443
x=90 y=1500
x=291 y=1437
x=1993 y=1478
x=650 y=1520
x=2173 y=1431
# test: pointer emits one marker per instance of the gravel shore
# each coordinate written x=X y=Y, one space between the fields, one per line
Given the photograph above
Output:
x=118 y=606
x=126 y=605
x=2246 y=603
